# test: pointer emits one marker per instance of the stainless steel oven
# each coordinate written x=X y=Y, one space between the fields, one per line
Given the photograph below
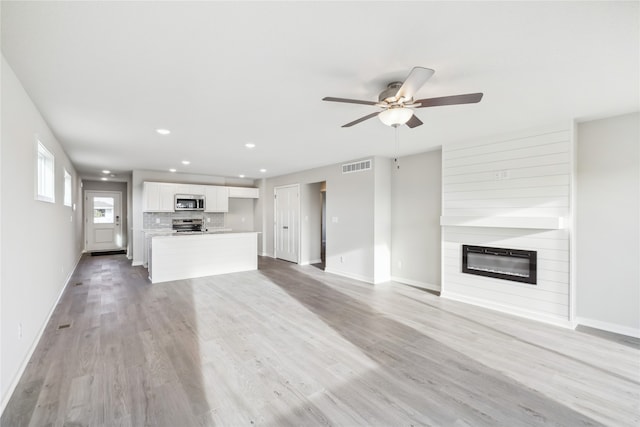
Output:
x=187 y=225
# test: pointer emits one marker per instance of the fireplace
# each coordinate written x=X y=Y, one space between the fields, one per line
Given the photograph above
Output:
x=500 y=263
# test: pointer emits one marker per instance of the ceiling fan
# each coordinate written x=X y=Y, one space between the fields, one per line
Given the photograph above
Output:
x=397 y=101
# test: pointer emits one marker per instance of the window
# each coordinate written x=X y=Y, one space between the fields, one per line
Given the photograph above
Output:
x=103 y=210
x=46 y=175
x=67 y=188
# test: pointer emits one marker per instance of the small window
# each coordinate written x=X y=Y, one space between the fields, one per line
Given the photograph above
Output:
x=67 y=188
x=103 y=210
x=46 y=175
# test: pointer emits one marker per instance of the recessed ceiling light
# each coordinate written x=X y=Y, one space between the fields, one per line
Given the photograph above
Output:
x=172 y=170
x=241 y=176
x=263 y=170
x=186 y=162
x=104 y=178
x=106 y=171
x=250 y=145
x=163 y=131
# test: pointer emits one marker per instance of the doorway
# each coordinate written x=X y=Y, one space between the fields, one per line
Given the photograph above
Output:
x=323 y=225
x=287 y=222
x=103 y=221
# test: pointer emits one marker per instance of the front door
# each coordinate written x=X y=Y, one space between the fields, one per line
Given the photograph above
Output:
x=287 y=222
x=103 y=221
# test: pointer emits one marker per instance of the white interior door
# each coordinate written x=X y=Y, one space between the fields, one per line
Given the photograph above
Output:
x=103 y=221
x=287 y=222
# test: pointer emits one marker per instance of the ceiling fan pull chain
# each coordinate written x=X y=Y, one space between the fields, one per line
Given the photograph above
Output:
x=396 y=160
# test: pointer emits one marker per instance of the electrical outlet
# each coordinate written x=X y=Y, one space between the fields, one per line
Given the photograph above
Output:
x=20 y=330
x=400 y=265
x=243 y=219
x=157 y=220
x=334 y=219
x=208 y=219
x=341 y=258
x=501 y=175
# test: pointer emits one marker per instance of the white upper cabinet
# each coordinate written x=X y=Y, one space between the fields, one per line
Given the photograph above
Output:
x=216 y=199
x=158 y=197
x=191 y=189
x=244 y=193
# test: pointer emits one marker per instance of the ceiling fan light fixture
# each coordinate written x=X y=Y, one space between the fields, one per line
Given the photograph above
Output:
x=395 y=116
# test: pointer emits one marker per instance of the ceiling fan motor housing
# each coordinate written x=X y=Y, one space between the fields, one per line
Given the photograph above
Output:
x=389 y=94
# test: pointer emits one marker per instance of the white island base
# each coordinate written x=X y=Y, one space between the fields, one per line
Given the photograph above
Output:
x=198 y=255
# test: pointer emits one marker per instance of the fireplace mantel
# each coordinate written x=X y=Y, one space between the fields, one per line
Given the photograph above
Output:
x=540 y=223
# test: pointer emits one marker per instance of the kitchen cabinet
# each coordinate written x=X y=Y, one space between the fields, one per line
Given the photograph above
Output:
x=216 y=198
x=158 y=197
x=244 y=192
x=197 y=190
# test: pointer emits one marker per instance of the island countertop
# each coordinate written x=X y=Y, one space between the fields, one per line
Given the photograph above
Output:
x=201 y=233
x=191 y=255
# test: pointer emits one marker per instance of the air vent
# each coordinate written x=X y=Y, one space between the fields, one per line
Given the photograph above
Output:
x=356 y=166
x=64 y=326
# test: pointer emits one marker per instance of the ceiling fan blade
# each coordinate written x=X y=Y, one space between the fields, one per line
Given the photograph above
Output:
x=361 y=119
x=414 y=121
x=348 y=101
x=414 y=81
x=469 y=98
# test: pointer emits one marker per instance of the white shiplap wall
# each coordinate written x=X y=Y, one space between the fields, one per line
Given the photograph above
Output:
x=522 y=176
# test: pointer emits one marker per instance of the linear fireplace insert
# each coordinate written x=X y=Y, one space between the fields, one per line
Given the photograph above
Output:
x=500 y=263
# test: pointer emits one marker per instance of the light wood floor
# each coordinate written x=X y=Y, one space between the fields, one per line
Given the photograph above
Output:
x=291 y=345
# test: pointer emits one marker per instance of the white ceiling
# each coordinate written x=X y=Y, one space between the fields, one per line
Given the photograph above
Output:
x=105 y=75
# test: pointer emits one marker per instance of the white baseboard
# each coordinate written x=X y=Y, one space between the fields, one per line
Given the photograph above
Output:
x=416 y=283
x=527 y=314
x=136 y=263
x=311 y=261
x=34 y=344
x=609 y=327
x=350 y=275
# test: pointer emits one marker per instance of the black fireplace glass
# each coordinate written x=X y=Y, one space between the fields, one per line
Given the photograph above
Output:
x=500 y=263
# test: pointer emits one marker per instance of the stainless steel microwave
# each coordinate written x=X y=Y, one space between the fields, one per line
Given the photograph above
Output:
x=189 y=202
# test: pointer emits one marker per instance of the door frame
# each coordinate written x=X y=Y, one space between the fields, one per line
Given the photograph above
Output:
x=275 y=216
x=86 y=215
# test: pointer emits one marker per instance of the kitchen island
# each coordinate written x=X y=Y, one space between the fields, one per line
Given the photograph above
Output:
x=187 y=256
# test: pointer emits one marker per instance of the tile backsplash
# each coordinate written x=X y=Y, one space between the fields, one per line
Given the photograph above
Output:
x=160 y=220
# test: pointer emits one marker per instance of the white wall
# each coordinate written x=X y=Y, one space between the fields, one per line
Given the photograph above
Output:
x=608 y=224
x=259 y=219
x=382 y=220
x=240 y=215
x=350 y=205
x=41 y=242
x=416 y=194
x=140 y=176
x=538 y=167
